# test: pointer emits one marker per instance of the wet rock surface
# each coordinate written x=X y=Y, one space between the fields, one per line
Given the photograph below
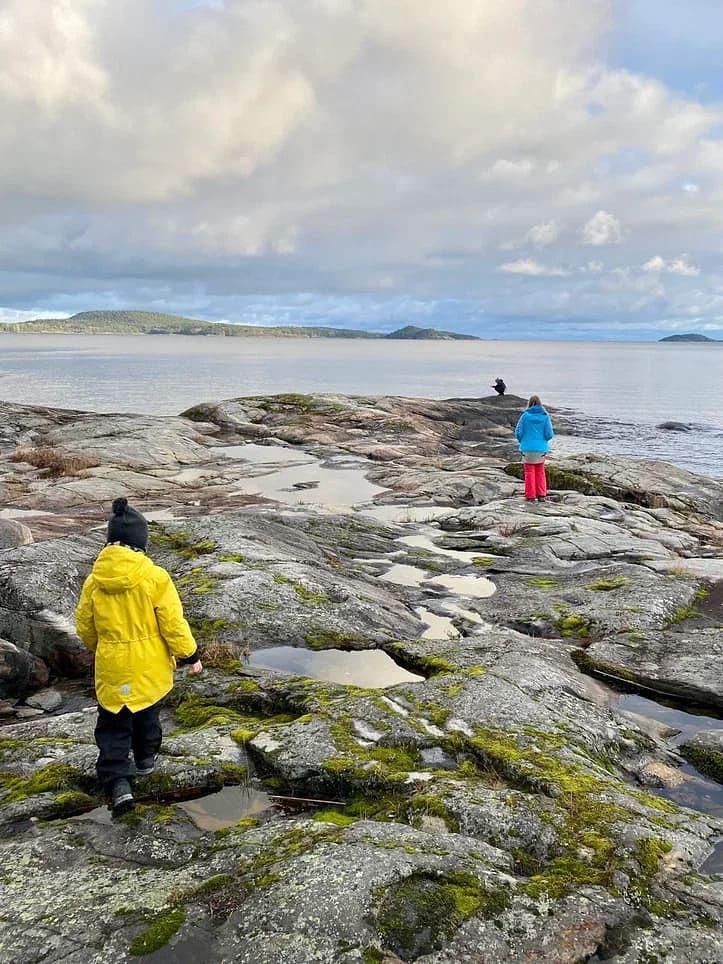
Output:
x=499 y=808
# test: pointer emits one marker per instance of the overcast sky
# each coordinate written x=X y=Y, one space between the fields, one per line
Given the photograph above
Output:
x=511 y=168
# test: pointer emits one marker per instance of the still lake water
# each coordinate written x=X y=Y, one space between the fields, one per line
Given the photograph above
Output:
x=621 y=390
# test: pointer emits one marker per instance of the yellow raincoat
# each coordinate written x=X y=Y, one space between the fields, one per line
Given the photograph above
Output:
x=130 y=616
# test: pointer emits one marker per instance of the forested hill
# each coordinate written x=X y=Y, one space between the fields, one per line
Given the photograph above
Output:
x=154 y=323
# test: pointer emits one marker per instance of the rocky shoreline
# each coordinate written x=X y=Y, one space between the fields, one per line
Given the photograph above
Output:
x=501 y=805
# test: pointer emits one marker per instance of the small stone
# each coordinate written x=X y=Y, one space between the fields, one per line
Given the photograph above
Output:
x=26 y=712
x=13 y=534
x=48 y=700
x=435 y=756
x=6 y=708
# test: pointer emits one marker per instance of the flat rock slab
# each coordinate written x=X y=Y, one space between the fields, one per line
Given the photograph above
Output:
x=687 y=664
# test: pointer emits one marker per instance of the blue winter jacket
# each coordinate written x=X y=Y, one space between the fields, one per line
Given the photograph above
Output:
x=534 y=430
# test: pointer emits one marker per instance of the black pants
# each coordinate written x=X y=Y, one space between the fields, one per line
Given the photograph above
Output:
x=117 y=734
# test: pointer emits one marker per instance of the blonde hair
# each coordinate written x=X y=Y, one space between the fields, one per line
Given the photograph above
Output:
x=534 y=400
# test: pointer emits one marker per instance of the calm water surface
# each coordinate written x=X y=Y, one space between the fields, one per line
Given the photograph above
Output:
x=635 y=385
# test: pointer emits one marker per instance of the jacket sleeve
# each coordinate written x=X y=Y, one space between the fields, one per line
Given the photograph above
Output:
x=84 y=622
x=518 y=428
x=172 y=624
x=549 y=434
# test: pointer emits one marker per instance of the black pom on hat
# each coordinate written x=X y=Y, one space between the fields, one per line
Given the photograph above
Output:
x=127 y=525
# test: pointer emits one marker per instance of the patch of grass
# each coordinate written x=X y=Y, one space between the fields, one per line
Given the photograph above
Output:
x=608 y=584
x=55 y=462
x=180 y=542
x=681 y=614
x=197 y=582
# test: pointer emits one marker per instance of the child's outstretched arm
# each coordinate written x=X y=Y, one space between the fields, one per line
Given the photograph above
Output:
x=172 y=624
x=84 y=622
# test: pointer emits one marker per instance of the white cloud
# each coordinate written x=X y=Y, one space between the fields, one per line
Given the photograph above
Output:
x=679 y=265
x=193 y=154
x=602 y=228
x=531 y=267
x=542 y=235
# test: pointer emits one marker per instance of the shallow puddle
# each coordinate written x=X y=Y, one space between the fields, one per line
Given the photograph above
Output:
x=476 y=586
x=262 y=454
x=714 y=864
x=424 y=542
x=687 y=721
x=438 y=627
x=402 y=575
x=401 y=514
x=696 y=790
x=225 y=808
x=368 y=668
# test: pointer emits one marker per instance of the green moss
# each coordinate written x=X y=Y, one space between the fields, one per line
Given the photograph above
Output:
x=333 y=816
x=423 y=912
x=707 y=760
x=197 y=582
x=543 y=582
x=435 y=712
x=158 y=933
x=373 y=956
x=574 y=625
x=430 y=805
x=73 y=801
x=242 y=736
x=207 y=631
x=180 y=542
x=303 y=592
x=609 y=584
x=193 y=713
x=54 y=776
x=319 y=638
x=702 y=592
x=484 y=562
x=476 y=671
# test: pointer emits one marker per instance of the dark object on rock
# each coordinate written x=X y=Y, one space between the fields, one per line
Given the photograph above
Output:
x=305 y=485
x=499 y=386
x=20 y=671
x=675 y=427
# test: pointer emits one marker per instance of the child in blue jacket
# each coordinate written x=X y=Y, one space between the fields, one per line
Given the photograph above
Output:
x=533 y=432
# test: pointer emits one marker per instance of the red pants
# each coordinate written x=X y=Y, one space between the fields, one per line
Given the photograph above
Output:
x=535 y=480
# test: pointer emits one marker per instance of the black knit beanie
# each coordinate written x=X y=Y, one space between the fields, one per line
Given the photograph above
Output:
x=128 y=526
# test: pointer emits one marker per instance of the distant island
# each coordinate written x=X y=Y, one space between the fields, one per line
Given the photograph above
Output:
x=692 y=336
x=154 y=323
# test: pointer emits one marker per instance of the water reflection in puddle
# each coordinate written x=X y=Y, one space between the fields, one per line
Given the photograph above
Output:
x=402 y=575
x=476 y=586
x=438 y=627
x=687 y=721
x=424 y=542
x=369 y=668
x=225 y=808
x=400 y=514
x=695 y=789
x=714 y=864
x=262 y=454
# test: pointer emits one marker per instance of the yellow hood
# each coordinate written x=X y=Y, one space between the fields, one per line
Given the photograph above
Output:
x=118 y=569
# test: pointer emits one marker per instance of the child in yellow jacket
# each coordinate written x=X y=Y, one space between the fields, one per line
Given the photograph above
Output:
x=131 y=617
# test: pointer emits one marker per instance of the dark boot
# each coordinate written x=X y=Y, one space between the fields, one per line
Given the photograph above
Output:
x=121 y=798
